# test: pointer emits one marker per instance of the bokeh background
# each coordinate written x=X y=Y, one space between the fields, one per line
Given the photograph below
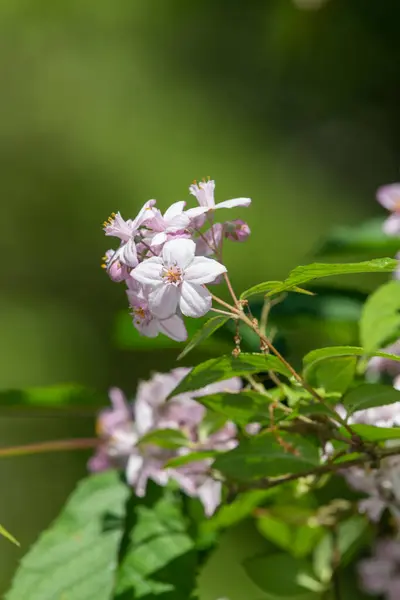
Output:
x=104 y=105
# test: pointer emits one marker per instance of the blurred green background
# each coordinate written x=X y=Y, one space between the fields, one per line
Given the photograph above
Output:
x=104 y=105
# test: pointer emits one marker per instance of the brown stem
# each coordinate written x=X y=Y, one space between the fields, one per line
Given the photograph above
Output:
x=224 y=312
x=231 y=290
x=52 y=446
x=223 y=303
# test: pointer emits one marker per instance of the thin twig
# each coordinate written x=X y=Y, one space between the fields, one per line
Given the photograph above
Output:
x=224 y=312
x=52 y=446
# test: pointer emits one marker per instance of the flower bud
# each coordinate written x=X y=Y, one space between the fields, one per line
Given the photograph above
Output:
x=237 y=230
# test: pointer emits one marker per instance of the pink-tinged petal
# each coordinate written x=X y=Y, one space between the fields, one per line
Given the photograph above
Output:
x=195 y=300
x=392 y=225
x=210 y=495
x=117 y=272
x=178 y=252
x=178 y=223
x=203 y=270
x=159 y=239
x=163 y=300
x=234 y=202
x=147 y=328
x=99 y=462
x=133 y=468
x=389 y=196
x=129 y=254
x=194 y=213
x=174 y=210
x=145 y=213
x=237 y=230
x=144 y=415
x=229 y=385
x=204 y=193
x=149 y=271
x=174 y=328
x=118 y=227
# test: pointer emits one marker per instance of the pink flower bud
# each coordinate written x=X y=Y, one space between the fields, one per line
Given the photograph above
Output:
x=237 y=230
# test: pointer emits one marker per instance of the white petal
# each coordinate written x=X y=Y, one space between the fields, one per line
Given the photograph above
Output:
x=149 y=271
x=195 y=300
x=144 y=416
x=392 y=225
x=192 y=213
x=210 y=495
x=174 y=328
x=174 y=210
x=233 y=203
x=159 y=239
x=150 y=329
x=145 y=213
x=179 y=252
x=163 y=300
x=389 y=196
x=203 y=270
x=135 y=463
x=129 y=254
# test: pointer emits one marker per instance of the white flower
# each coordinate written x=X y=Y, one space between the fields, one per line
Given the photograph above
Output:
x=389 y=197
x=177 y=278
x=204 y=194
x=172 y=222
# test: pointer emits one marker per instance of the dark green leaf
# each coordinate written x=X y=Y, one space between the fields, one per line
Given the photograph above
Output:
x=303 y=274
x=331 y=351
x=333 y=375
x=76 y=558
x=8 y=535
x=264 y=456
x=225 y=367
x=158 y=557
x=203 y=333
x=366 y=238
x=380 y=319
x=280 y=577
x=242 y=407
x=369 y=395
x=165 y=438
x=266 y=286
x=370 y=433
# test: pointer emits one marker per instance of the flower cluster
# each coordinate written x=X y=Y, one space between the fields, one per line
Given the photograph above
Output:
x=123 y=426
x=164 y=259
x=380 y=574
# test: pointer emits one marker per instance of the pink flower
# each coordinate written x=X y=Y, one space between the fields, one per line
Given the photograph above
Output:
x=204 y=194
x=174 y=221
x=177 y=278
x=389 y=197
x=150 y=326
x=210 y=241
x=115 y=269
x=237 y=231
x=380 y=574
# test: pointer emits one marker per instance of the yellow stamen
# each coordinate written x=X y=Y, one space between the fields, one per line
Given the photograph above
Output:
x=103 y=266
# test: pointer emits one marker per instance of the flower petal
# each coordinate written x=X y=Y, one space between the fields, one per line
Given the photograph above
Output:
x=195 y=300
x=174 y=210
x=392 y=225
x=135 y=463
x=389 y=196
x=209 y=495
x=147 y=328
x=129 y=254
x=174 y=328
x=145 y=213
x=179 y=252
x=203 y=270
x=234 y=202
x=159 y=238
x=163 y=300
x=192 y=213
x=149 y=271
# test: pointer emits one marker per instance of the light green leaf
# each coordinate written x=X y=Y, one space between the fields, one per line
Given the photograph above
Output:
x=243 y=506
x=291 y=534
x=203 y=333
x=165 y=438
x=380 y=317
x=225 y=367
x=242 y=407
x=158 y=556
x=56 y=396
x=180 y=461
x=279 y=577
x=331 y=351
x=8 y=535
x=76 y=558
x=368 y=395
x=264 y=456
x=366 y=238
x=352 y=535
x=333 y=375
x=303 y=274
x=370 y=433
x=267 y=286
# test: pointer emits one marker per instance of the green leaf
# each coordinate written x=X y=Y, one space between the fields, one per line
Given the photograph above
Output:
x=280 y=576
x=380 y=318
x=158 y=556
x=57 y=396
x=368 y=395
x=351 y=536
x=290 y=531
x=8 y=535
x=225 y=367
x=76 y=558
x=366 y=238
x=165 y=438
x=264 y=456
x=303 y=274
x=242 y=407
x=239 y=509
x=331 y=351
x=333 y=375
x=180 y=461
x=267 y=286
x=371 y=433
x=203 y=333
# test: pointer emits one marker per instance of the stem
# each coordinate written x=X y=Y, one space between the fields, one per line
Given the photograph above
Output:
x=52 y=446
x=231 y=290
x=224 y=312
x=223 y=303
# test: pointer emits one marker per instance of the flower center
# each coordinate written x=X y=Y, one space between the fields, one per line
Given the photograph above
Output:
x=139 y=312
x=172 y=275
